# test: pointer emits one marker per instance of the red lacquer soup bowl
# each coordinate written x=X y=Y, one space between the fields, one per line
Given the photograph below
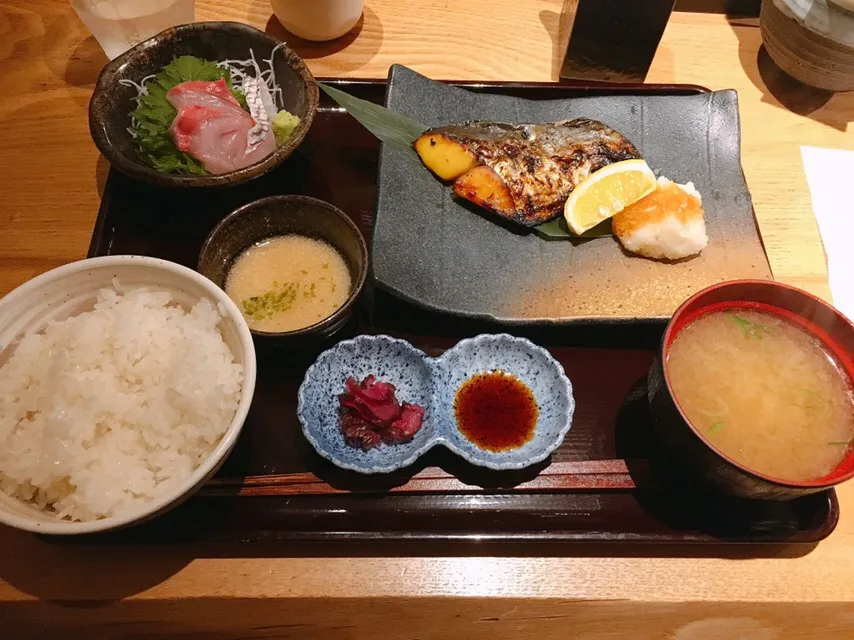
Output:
x=687 y=444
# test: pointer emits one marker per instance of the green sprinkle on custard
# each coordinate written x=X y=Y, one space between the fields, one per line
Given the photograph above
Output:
x=279 y=299
x=288 y=282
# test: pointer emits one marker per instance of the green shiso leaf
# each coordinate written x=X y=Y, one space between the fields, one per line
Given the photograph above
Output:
x=154 y=114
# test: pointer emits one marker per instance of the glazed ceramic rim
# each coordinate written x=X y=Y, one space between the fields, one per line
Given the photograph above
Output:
x=214 y=459
x=439 y=438
x=302 y=402
x=136 y=168
x=567 y=387
x=325 y=207
x=677 y=324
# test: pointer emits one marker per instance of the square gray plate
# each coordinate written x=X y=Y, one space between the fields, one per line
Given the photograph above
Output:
x=437 y=251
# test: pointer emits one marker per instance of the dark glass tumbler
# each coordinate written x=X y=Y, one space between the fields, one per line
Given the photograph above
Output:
x=615 y=40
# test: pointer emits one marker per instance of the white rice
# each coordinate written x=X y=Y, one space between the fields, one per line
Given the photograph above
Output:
x=113 y=407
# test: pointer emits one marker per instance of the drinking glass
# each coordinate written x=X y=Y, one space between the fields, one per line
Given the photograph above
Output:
x=118 y=25
x=614 y=40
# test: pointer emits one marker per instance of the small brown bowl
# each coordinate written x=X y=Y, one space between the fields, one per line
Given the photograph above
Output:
x=687 y=444
x=112 y=102
x=283 y=215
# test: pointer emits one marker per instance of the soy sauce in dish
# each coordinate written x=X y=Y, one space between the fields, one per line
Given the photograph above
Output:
x=496 y=411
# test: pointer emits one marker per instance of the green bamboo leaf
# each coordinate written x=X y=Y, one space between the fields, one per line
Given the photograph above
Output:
x=392 y=128
x=554 y=229
x=557 y=230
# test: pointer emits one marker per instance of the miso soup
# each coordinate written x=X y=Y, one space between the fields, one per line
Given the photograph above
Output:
x=764 y=392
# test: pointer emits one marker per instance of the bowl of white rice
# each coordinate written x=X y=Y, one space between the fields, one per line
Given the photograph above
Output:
x=124 y=384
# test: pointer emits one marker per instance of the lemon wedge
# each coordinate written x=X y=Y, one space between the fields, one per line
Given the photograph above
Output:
x=607 y=192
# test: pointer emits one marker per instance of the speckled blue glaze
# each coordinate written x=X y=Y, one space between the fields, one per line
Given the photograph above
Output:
x=534 y=366
x=390 y=360
x=433 y=383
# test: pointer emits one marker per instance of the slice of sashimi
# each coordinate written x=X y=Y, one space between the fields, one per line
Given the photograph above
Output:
x=202 y=92
x=260 y=151
x=215 y=137
x=213 y=128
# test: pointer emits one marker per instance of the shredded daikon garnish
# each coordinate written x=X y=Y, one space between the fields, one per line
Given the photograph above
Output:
x=140 y=91
x=239 y=69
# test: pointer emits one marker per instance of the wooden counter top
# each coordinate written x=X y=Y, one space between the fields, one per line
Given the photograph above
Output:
x=50 y=179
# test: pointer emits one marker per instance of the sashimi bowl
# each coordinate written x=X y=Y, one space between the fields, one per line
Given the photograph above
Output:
x=203 y=104
x=124 y=384
x=430 y=385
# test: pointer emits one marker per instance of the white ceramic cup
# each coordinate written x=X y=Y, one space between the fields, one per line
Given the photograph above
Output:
x=318 y=20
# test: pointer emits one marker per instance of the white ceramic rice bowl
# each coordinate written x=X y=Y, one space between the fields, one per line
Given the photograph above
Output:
x=71 y=288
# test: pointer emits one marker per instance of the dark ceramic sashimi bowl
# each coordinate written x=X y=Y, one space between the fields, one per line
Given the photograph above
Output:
x=284 y=215
x=112 y=102
x=686 y=443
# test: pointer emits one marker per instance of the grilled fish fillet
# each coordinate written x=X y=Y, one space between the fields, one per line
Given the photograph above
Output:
x=522 y=172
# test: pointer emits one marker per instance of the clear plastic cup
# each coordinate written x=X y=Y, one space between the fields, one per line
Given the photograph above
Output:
x=118 y=25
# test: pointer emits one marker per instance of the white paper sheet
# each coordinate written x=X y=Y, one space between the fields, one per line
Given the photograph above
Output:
x=830 y=176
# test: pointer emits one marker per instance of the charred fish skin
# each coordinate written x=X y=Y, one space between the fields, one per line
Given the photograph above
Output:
x=533 y=168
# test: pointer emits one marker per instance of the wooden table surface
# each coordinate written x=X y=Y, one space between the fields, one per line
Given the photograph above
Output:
x=50 y=180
